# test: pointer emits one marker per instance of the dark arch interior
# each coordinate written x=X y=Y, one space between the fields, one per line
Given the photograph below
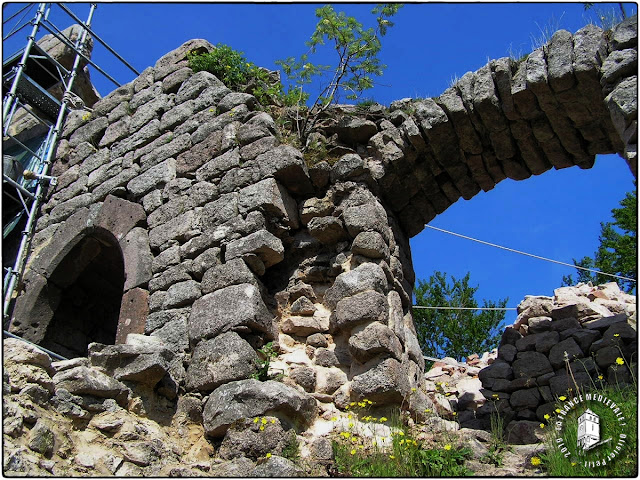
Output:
x=90 y=280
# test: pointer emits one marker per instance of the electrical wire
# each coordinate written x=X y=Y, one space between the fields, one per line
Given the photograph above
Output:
x=531 y=255
x=465 y=308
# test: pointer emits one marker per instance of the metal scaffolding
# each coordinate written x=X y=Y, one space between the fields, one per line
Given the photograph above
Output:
x=27 y=76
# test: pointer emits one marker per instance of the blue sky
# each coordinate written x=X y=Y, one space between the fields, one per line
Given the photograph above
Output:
x=555 y=215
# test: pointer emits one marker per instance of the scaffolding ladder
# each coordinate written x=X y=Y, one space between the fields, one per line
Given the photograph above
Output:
x=25 y=182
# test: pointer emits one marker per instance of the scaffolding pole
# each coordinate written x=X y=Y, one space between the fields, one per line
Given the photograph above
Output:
x=11 y=96
x=17 y=269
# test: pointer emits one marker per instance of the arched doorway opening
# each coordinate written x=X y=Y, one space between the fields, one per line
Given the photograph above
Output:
x=89 y=285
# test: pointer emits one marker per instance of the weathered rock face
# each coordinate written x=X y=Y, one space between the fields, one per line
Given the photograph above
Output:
x=225 y=239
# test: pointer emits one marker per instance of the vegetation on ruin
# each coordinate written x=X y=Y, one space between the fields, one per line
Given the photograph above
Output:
x=356 y=63
x=365 y=448
x=265 y=354
x=555 y=463
x=618 y=249
x=455 y=333
x=233 y=69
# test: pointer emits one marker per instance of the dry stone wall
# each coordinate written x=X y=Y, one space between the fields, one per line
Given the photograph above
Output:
x=229 y=240
x=581 y=337
x=523 y=378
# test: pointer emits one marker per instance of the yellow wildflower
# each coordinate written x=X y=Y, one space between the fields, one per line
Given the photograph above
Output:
x=350 y=424
x=573 y=464
x=600 y=377
x=558 y=410
x=354 y=440
x=256 y=420
x=401 y=433
x=562 y=398
x=495 y=395
x=349 y=416
x=427 y=410
x=547 y=416
x=401 y=441
x=542 y=425
x=273 y=420
x=374 y=419
x=383 y=419
x=535 y=461
x=268 y=455
x=346 y=434
x=454 y=413
x=353 y=404
x=392 y=457
x=447 y=447
x=361 y=404
x=347 y=407
x=334 y=419
x=261 y=428
x=414 y=389
x=353 y=452
x=368 y=401
x=374 y=443
x=264 y=421
x=616 y=334
x=619 y=361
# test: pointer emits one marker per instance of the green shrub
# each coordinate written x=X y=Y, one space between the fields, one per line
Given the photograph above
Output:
x=225 y=63
x=233 y=69
x=265 y=354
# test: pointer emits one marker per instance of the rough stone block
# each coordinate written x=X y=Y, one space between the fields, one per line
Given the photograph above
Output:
x=223 y=359
x=233 y=272
x=264 y=244
x=227 y=404
x=137 y=258
x=181 y=294
x=286 y=165
x=368 y=276
x=153 y=178
x=119 y=216
x=227 y=309
x=374 y=339
x=368 y=306
x=270 y=197
x=385 y=383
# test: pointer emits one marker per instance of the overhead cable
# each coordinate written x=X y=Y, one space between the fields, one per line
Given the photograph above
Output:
x=532 y=255
x=465 y=308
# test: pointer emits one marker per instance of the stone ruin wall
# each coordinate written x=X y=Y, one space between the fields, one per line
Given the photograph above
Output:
x=523 y=378
x=229 y=240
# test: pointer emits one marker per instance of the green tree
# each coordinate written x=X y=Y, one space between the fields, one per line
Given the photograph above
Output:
x=356 y=62
x=617 y=252
x=455 y=333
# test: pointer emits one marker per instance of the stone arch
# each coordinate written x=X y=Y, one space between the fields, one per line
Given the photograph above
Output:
x=100 y=253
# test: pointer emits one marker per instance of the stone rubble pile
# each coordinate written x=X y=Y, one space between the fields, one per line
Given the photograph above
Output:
x=523 y=378
x=588 y=330
x=100 y=416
